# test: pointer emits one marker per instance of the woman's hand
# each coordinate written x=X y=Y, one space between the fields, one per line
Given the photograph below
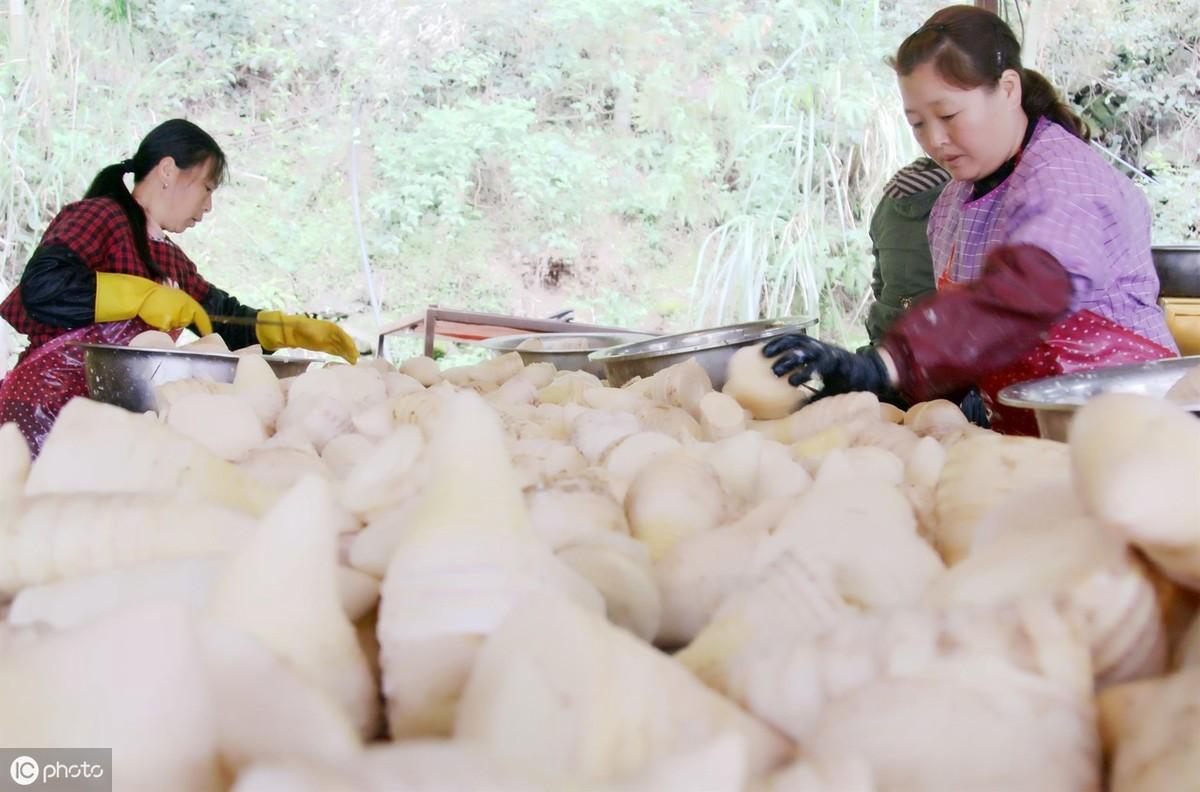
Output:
x=277 y=330
x=801 y=358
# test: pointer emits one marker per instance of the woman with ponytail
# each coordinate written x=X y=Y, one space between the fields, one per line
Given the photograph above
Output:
x=106 y=271
x=1041 y=249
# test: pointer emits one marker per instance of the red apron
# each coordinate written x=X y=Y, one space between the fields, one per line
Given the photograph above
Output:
x=1082 y=341
x=48 y=377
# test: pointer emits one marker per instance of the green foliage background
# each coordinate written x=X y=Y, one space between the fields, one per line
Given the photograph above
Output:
x=655 y=164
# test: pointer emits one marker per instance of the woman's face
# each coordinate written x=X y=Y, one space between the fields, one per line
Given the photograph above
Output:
x=187 y=197
x=970 y=132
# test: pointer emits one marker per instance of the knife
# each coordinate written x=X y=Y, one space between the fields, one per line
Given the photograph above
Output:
x=247 y=321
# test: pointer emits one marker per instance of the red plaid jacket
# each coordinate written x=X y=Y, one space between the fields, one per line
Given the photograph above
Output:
x=97 y=231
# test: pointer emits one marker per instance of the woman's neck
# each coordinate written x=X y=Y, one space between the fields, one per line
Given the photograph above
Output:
x=153 y=230
x=993 y=180
x=141 y=194
x=1021 y=136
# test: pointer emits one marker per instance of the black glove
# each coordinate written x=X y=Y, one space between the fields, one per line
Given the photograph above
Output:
x=840 y=370
x=973 y=407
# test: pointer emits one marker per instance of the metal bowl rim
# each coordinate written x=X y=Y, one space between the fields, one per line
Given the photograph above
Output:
x=192 y=353
x=770 y=327
x=497 y=345
x=1010 y=395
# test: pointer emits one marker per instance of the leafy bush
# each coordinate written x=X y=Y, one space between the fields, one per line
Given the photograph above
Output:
x=651 y=163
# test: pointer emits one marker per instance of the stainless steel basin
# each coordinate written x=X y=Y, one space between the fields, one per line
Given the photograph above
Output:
x=1054 y=400
x=126 y=376
x=711 y=348
x=566 y=351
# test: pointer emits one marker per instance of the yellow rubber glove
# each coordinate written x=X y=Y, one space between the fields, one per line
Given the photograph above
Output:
x=278 y=330
x=162 y=307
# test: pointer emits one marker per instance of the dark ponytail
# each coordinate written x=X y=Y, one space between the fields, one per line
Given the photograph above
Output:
x=971 y=47
x=183 y=141
x=110 y=183
x=1039 y=98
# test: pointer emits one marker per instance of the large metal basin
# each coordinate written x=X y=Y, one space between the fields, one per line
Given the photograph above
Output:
x=1054 y=400
x=126 y=376
x=556 y=348
x=711 y=348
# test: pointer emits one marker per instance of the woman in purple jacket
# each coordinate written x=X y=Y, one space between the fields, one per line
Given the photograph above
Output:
x=1041 y=249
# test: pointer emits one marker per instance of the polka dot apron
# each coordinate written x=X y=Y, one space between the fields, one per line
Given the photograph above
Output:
x=49 y=376
x=1082 y=341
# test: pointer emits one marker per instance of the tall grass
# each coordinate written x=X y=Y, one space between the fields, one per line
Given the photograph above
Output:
x=813 y=160
x=68 y=104
x=71 y=94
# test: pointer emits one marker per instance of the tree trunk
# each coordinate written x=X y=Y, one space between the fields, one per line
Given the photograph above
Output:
x=623 y=111
x=18 y=33
x=625 y=88
x=1038 y=25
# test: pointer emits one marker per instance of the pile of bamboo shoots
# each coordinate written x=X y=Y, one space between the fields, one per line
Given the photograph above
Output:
x=507 y=577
